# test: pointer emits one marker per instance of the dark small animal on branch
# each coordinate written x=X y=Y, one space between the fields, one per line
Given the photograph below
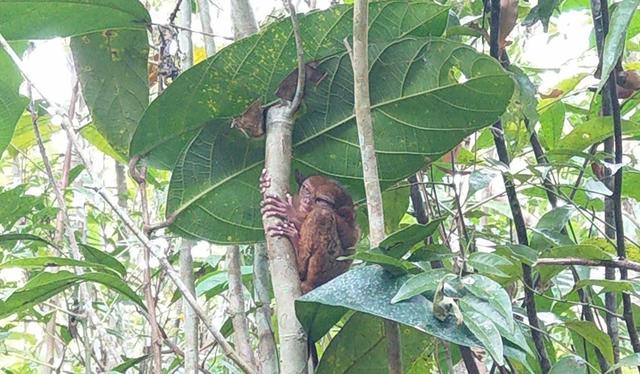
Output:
x=320 y=222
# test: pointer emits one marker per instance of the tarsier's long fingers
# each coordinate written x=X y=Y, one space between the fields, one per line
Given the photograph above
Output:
x=265 y=181
x=284 y=229
x=275 y=202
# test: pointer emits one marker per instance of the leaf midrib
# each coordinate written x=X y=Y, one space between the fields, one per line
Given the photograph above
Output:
x=184 y=205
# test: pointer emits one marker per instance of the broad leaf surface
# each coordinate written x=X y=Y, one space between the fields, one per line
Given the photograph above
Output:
x=11 y=103
x=95 y=255
x=420 y=111
x=12 y=237
x=486 y=332
x=112 y=67
x=370 y=290
x=569 y=364
x=361 y=347
x=398 y=243
x=591 y=333
x=15 y=204
x=60 y=18
x=49 y=261
x=46 y=285
x=420 y=283
x=485 y=288
x=224 y=85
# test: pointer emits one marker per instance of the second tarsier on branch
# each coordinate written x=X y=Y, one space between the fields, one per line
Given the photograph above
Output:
x=320 y=222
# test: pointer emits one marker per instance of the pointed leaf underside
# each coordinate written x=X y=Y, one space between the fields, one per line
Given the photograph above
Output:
x=427 y=94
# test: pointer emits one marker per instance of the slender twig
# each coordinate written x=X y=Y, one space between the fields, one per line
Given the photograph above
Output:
x=138 y=174
x=612 y=264
x=297 y=98
x=516 y=211
x=176 y=9
x=236 y=304
x=422 y=218
x=126 y=219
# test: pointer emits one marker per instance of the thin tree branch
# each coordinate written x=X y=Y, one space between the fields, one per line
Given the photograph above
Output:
x=516 y=211
x=612 y=264
x=236 y=305
x=266 y=352
x=297 y=98
x=126 y=219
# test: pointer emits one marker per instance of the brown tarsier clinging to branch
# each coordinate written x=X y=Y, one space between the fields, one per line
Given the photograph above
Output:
x=320 y=222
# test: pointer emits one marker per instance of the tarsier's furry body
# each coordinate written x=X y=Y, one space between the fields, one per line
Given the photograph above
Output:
x=320 y=223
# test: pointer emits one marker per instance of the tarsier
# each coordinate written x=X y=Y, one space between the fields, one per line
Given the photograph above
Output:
x=320 y=223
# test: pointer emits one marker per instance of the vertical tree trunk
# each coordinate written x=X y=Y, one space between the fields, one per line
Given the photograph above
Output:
x=362 y=108
x=236 y=305
x=244 y=23
x=205 y=20
x=282 y=261
x=599 y=12
x=191 y=343
x=191 y=338
x=267 y=357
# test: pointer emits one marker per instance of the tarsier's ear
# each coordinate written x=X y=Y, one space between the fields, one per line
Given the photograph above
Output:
x=299 y=178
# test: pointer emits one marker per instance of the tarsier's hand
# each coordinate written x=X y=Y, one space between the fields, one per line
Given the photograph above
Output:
x=285 y=229
x=274 y=206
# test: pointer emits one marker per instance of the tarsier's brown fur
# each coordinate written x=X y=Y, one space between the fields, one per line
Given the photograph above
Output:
x=320 y=223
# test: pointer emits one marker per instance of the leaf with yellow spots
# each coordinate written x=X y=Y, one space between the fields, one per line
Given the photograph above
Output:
x=214 y=186
x=224 y=85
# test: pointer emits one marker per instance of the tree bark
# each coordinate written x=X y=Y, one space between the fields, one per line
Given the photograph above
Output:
x=244 y=23
x=362 y=107
x=190 y=328
x=205 y=20
x=267 y=353
x=282 y=261
x=516 y=211
x=236 y=305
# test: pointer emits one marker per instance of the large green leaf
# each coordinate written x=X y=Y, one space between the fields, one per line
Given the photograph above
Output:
x=95 y=255
x=614 y=42
x=225 y=84
x=15 y=204
x=24 y=137
x=420 y=283
x=48 y=262
x=485 y=288
x=45 y=19
x=370 y=290
x=590 y=132
x=591 y=333
x=420 y=111
x=569 y=364
x=46 y=285
x=39 y=288
x=112 y=67
x=486 y=332
x=398 y=243
x=361 y=347
x=11 y=103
